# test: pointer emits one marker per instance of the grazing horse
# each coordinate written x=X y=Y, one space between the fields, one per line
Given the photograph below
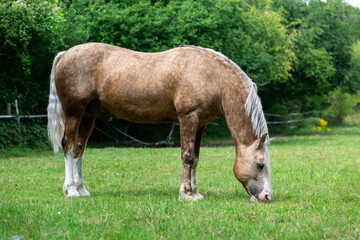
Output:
x=188 y=84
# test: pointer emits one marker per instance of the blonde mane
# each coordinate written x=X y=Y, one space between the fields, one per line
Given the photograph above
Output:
x=253 y=107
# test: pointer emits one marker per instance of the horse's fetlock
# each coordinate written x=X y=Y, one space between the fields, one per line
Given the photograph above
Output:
x=187 y=189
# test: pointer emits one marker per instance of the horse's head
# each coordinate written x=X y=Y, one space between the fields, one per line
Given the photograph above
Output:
x=252 y=169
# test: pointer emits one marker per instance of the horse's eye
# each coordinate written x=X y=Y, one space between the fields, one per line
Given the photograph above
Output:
x=260 y=166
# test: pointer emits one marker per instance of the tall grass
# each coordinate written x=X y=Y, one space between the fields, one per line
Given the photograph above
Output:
x=134 y=194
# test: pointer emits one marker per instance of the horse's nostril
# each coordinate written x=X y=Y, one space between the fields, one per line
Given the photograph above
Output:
x=267 y=197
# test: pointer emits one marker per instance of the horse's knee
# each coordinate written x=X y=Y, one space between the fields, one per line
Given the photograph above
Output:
x=69 y=146
x=188 y=159
x=66 y=144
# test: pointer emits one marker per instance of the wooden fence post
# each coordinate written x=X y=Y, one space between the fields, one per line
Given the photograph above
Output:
x=8 y=108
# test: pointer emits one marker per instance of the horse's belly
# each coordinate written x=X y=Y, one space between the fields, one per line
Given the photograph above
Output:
x=145 y=116
x=141 y=110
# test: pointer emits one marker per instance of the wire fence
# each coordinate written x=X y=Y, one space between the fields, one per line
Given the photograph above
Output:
x=275 y=119
x=292 y=117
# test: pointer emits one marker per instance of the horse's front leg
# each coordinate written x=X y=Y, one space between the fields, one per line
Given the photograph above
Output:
x=188 y=133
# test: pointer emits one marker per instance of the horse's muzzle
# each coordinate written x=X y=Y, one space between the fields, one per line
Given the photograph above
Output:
x=264 y=196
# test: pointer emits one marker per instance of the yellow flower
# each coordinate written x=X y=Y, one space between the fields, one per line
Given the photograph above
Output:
x=319 y=128
x=322 y=123
x=328 y=129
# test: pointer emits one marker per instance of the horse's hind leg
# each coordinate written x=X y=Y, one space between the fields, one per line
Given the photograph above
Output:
x=85 y=129
x=72 y=123
x=77 y=131
x=188 y=132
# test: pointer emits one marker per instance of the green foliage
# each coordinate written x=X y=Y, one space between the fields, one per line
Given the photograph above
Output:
x=29 y=134
x=352 y=78
x=342 y=103
x=331 y=26
x=30 y=36
x=322 y=36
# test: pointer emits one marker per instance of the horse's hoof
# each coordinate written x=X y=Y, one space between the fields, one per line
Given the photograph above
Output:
x=197 y=197
x=191 y=197
x=84 y=193
x=71 y=193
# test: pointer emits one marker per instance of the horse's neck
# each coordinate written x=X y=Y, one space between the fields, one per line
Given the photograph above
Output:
x=237 y=121
x=241 y=129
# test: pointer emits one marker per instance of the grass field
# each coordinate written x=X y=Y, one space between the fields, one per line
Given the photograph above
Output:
x=134 y=193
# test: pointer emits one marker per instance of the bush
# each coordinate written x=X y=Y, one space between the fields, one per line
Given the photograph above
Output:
x=342 y=104
x=27 y=134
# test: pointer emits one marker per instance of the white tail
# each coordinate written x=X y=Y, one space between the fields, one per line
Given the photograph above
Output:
x=55 y=112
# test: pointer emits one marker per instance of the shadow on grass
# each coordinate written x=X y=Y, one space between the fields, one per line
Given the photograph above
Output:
x=135 y=193
x=171 y=194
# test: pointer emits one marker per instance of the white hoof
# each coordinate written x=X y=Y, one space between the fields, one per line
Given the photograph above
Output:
x=71 y=192
x=190 y=197
x=197 y=196
x=84 y=193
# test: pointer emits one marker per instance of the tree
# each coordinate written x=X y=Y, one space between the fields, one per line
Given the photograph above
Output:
x=30 y=35
x=323 y=36
x=352 y=77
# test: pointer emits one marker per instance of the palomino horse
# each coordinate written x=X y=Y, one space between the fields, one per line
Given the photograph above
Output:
x=190 y=85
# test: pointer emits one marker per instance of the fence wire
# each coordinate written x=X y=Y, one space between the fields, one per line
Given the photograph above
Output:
x=167 y=140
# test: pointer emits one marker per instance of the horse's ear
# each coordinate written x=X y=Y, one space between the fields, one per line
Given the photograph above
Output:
x=262 y=141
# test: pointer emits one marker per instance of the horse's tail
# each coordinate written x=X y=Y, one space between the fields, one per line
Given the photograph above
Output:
x=55 y=112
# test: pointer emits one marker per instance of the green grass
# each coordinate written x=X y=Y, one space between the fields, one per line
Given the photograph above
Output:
x=134 y=193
